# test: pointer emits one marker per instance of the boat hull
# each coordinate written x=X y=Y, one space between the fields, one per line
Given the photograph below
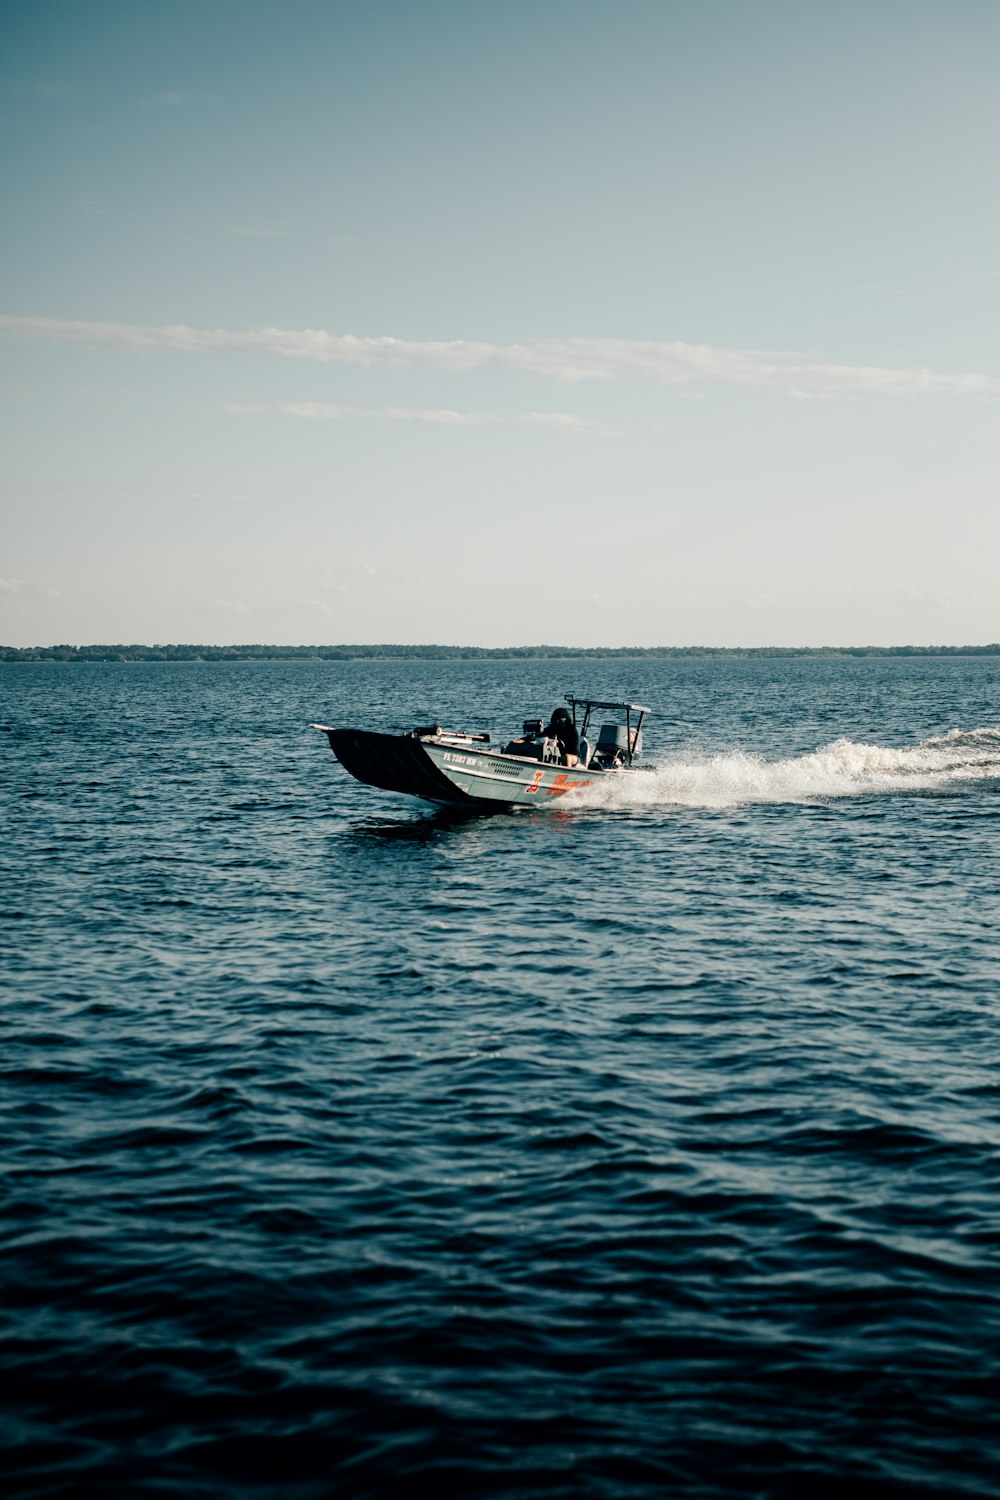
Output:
x=485 y=776
x=454 y=775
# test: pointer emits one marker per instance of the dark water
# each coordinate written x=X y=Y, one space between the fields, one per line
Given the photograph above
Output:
x=646 y=1147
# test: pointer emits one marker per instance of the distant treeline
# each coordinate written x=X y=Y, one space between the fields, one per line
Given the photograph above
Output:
x=456 y=653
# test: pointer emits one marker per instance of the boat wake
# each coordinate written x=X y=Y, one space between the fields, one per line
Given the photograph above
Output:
x=844 y=768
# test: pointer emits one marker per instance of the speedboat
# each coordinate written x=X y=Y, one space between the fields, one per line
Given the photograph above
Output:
x=461 y=770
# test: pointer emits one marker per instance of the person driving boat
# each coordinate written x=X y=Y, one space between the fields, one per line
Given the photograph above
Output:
x=562 y=729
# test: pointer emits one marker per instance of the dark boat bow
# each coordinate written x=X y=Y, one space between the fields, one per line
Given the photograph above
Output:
x=396 y=763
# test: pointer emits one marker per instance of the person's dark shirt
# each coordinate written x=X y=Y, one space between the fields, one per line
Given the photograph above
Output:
x=564 y=730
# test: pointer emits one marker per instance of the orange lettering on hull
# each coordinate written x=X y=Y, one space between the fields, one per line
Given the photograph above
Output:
x=562 y=784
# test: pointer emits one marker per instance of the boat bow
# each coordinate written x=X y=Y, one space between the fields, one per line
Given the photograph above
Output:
x=394 y=762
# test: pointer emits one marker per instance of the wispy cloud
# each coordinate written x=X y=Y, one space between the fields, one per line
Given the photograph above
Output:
x=574 y=359
x=329 y=411
x=321 y=411
x=439 y=418
x=248 y=231
x=14 y=586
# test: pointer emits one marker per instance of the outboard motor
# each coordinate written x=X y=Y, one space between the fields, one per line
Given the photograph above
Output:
x=612 y=748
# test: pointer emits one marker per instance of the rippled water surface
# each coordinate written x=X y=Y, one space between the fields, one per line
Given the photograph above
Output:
x=643 y=1146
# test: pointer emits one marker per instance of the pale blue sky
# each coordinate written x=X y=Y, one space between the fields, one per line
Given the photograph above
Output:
x=695 y=311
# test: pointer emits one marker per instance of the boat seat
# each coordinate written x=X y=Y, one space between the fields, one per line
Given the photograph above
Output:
x=585 y=750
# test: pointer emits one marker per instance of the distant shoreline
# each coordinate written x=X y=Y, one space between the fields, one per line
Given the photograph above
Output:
x=137 y=653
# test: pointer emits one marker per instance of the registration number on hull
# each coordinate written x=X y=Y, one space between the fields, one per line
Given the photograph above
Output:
x=560 y=783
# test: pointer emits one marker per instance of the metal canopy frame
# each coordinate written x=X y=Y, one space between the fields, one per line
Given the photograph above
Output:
x=628 y=709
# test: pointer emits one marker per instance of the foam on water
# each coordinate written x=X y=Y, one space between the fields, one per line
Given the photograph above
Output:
x=843 y=768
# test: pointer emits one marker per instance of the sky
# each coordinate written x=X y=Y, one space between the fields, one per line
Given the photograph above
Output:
x=403 y=321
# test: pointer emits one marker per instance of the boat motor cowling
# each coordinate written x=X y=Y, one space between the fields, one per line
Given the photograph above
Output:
x=613 y=746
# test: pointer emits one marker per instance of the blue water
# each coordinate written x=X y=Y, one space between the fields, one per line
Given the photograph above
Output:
x=642 y=1146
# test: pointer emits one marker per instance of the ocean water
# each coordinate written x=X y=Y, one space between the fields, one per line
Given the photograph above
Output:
x=647 y=1145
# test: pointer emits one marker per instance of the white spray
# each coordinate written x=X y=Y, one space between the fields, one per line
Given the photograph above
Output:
x=844 y=768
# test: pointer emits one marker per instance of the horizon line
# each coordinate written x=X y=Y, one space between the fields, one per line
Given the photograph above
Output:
x=397 y=649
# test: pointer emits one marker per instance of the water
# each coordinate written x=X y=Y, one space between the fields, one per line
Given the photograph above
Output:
x=648 y=1145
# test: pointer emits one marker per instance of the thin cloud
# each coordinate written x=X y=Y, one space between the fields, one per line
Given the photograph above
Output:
x=322 y=411
x=442 y=418
x=667 y=363
x=13 y=586
x=329 y=411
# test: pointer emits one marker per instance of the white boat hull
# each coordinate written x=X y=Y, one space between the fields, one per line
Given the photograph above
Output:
x=438 y=769
x=488 y=776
